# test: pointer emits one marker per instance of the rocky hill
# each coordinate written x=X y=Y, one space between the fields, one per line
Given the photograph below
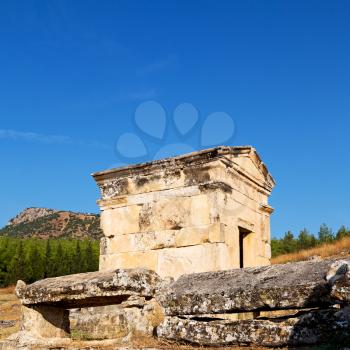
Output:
x=49 y=223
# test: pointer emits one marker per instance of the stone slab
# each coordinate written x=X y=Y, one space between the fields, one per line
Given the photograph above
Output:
x=293 y=285
x=305 y=329
x=90 y=289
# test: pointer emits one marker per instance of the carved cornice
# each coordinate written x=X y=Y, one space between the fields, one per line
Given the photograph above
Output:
x=266 y=208
x=182 y=161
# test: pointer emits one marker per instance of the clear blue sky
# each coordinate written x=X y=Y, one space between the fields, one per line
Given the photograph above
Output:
x=72 y=74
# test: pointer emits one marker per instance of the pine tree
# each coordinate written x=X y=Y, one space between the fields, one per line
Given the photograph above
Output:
x=325 y=235
x=342 y=232
x=48 y=272
x=35 y=264
x=77 y=260
x=4 y=245
x=89 y=258
x=306 y=239
x=17 y=268
x=67 y=264
x=60 y=263
x=289 y=244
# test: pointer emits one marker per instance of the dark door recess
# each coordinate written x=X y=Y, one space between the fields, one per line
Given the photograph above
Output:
x=243 y=233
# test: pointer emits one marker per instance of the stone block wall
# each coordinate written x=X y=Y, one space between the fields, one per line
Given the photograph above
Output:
x=184 y=214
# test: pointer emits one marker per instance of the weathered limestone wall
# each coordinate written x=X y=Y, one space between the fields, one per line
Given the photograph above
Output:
x=183 y=214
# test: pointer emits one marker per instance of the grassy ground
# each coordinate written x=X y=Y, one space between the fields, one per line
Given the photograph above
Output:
x=337 y=249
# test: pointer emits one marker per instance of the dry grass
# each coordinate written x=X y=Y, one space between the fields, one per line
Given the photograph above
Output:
x=337 y=248
x=7 y=290
x=9 y=311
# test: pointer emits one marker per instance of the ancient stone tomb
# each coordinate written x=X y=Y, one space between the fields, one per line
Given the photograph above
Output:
x=193 y=216
x=204 y=211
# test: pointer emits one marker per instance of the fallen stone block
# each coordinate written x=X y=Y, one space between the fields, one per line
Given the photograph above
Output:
x=339 y=278
x=90 y=289
x=341 y=289
x=305 y=329
x=44 y=321
x=133 y=319
x=287 y=286
x=45 y=305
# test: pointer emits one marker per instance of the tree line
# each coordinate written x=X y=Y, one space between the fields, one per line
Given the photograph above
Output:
x=305 y=239
x=31 y=259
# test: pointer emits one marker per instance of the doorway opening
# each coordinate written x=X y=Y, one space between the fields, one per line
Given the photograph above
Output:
x=243 y=235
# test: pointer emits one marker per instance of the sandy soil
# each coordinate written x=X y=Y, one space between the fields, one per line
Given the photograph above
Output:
x=9 y=312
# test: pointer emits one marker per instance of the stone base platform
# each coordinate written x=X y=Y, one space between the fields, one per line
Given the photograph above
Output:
x=297 y=304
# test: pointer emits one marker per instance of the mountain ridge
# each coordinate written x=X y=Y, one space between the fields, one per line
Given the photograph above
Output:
x=47 y=223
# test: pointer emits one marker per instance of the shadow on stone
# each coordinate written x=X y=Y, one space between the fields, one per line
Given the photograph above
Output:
x=45 y=321
x=328 y=327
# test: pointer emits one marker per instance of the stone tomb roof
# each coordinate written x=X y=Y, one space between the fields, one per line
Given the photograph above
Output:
x=227 y=154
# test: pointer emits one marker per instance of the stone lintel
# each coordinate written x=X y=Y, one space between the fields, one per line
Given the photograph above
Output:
x=89 y=289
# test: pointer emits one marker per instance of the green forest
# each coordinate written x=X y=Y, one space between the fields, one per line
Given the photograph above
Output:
x=31 y=259
x=306 y=240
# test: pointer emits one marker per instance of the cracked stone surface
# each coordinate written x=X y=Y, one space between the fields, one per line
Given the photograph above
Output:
x=310 y=328
x=294 y=285
x=90 y=289
x=341 y=289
